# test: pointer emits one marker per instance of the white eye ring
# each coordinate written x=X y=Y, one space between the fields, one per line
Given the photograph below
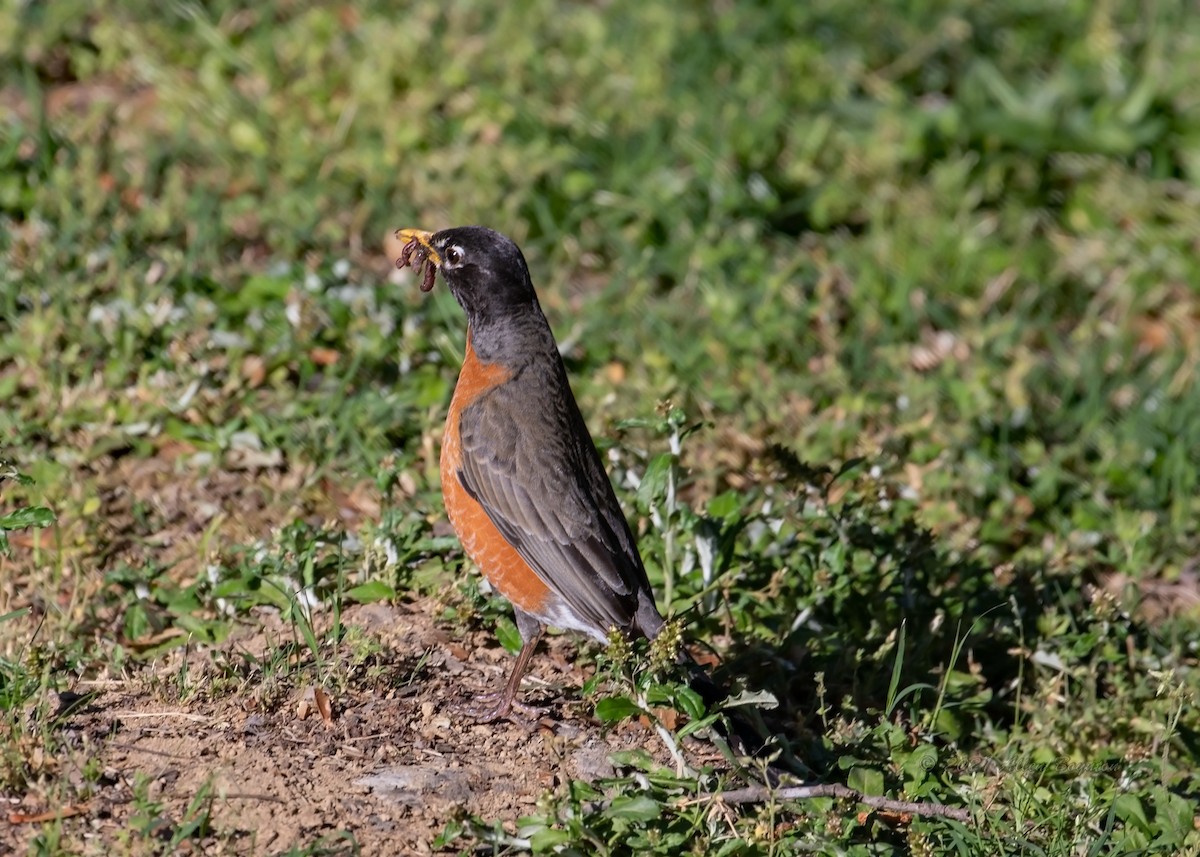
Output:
x=454 y=256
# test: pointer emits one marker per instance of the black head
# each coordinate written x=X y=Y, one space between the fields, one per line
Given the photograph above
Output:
x=485 y=271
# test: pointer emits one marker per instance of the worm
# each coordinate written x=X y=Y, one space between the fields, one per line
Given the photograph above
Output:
x=414 y=255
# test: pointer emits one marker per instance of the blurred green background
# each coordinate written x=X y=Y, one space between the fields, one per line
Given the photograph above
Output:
x=959 y=241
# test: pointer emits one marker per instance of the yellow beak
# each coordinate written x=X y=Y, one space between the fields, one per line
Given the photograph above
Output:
x=403 y=236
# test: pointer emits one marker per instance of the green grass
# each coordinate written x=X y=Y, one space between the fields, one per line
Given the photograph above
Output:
x=918 y=282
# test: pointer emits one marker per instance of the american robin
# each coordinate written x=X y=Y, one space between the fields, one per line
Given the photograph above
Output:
x=523 y=484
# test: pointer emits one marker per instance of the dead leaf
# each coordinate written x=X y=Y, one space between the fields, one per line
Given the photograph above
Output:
x=324 y=356
x=48 y=815
x=1154 y=334
x=668 y=717
x=254 y=370
x=324 y=707
x=704 y=656
x=361 y=500
x=314 y=699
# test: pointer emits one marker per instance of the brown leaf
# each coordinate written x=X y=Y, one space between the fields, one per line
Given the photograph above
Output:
x=324 y=707
x=668 y=717
x=1154 y=334
x=314 y=699
x=169 y=449
x=324 y=356
x=254 y=370
x=359 y=501
x=48 y=815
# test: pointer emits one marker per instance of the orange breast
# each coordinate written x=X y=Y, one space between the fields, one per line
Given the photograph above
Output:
x=497 y=559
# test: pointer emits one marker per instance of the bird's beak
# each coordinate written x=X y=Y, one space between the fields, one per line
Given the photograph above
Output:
x=414 y=247
x=425 y=239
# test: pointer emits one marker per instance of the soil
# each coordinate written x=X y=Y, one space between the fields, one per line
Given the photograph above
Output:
x=399 y=757
x=235 y=732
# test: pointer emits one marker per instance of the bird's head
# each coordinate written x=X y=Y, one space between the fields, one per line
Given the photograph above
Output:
x=485 y=270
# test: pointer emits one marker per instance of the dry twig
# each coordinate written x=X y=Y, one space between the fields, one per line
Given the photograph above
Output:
x=759 y=794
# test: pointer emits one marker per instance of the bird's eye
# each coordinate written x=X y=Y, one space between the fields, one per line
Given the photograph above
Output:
x=454 y=255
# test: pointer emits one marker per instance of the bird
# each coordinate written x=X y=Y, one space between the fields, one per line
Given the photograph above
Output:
x=523 y=484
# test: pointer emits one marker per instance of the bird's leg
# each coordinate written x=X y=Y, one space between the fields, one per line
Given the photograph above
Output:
x=504 y=701
x=531 y=633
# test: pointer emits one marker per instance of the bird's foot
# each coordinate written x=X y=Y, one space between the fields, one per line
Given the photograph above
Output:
x=492 y=707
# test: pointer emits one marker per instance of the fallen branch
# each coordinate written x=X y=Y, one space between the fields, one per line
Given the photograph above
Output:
x=759 y=794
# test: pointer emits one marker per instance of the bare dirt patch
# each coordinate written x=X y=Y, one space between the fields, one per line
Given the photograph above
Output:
x=397 y=761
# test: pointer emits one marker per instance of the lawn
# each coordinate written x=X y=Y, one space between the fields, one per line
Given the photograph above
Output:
x=885 y=317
